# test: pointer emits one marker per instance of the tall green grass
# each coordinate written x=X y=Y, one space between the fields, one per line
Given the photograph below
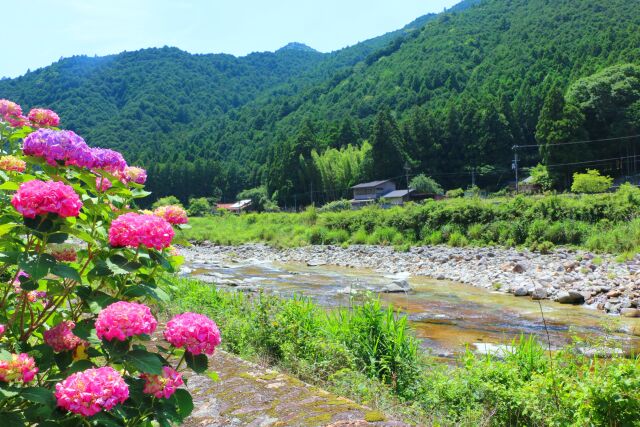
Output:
x=603 y=222
x=368 y=353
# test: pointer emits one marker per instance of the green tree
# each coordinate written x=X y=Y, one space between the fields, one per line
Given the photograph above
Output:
x=386 y=146
x=259 y=199
x=199 y=207
x=166 y=201
x=540 y=176
x=425 y=184
x=559 y=122
x=590 y=182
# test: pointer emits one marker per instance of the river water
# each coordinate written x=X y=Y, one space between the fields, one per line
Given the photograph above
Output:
x=448 y=317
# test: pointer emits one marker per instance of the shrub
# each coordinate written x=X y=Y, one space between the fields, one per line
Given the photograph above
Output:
x=75 y=319
x=199 y=207
x=425 y=184
x=336 y=206
x=457 y=239
x=540 y=176
x=455 y=193
x=590 y=182
x=166 y=201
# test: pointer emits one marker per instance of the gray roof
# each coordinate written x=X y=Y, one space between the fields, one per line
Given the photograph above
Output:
x=370 y=184
x=397 y=193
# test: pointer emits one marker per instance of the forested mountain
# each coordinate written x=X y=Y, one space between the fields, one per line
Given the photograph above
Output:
x=447 y=94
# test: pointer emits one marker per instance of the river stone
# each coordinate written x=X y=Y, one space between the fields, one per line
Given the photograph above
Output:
x=316 y=263
x=539 y=293
x=521 y=291
x=519 y=268
x=570 y=297
x=396 y=286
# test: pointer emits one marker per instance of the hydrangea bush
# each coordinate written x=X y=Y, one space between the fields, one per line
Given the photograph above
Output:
x=79 y=274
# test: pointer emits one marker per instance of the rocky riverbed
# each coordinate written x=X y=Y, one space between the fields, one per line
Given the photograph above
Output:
x=565 y=276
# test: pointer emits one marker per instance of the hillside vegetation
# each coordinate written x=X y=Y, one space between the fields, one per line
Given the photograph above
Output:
x=599 y=222
x=448 y=94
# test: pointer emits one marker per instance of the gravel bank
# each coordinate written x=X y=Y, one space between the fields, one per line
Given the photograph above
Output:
x=566 y=276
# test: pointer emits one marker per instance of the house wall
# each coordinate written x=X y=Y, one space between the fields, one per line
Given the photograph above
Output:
x=373 y=193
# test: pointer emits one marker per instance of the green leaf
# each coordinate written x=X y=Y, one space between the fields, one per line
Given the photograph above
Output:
x=6 y=393
x=198 y=364
x=9 y=185
x=37 y=266
x=144 y=361
x=160 y=259
x=66 y=272
x=5 y=228
x=38 y=395
x=121 y=265
x=105 y=419
x=80 y=365
x=57 y=238
x=183 y=401
x=145 y=290
x=12 y=419
x=139 y=193
x=43 y=225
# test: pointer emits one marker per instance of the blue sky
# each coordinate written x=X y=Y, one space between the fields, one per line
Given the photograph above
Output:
x=45 y=30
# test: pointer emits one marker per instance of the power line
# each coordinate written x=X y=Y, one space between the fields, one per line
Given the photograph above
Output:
x=592 y=161
x=578 y=142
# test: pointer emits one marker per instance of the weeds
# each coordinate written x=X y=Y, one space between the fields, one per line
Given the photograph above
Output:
x=368 y=353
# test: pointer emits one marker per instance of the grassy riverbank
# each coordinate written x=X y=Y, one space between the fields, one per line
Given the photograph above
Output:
x=603 y=222
x=369 y=354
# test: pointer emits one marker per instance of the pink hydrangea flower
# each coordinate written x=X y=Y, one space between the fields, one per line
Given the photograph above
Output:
x=63 y=252
x=43 y=117
x=162 y=386
x=195 y=332
x=173 y=214
x=90 y=391
x=17 y=122
x=12 y=164
x=58 y=146
x=133 y=229
x=2 y=329
x=9 y=108
x=134 y=174
x=21 y=367
x=12 y=113
x=103 y=184
x=123 y=319
x=62 y=338
x=41 y=197
x=108 y=160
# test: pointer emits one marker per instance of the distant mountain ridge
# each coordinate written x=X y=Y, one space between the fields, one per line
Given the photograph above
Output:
x=297 y=46
x=461 y=88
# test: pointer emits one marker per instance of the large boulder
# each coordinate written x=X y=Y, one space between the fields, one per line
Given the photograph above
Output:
x=397 y=286
x=570 y=297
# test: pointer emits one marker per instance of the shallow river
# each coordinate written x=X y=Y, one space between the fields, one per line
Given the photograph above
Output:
x=447 y=316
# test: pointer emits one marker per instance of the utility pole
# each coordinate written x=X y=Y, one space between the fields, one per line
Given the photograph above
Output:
x=407 y=168
x=514 y=166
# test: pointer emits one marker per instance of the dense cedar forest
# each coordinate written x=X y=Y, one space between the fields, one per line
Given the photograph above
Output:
x=446 y=95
